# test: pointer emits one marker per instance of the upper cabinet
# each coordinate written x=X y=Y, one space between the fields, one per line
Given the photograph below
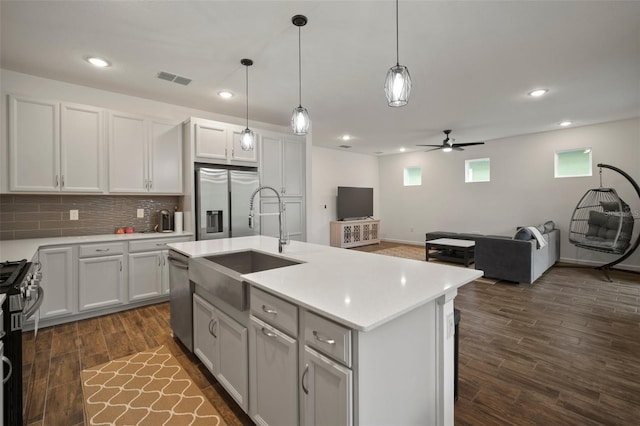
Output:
x=219 y=143
x=282 y=164
x=55 y=146
x=145 y=155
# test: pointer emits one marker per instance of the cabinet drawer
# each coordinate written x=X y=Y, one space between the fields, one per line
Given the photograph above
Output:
x=274 y=311
x=101 y=249
x=328 y=337
x=154 y=244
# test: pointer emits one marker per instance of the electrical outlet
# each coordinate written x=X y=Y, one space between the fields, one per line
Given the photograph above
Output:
x=73 y=214
x=140 y=213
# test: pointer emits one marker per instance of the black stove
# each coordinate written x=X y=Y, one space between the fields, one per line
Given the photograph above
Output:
x=12 y=272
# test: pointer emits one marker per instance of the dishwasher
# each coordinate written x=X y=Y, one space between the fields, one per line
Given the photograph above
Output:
x=180 y=298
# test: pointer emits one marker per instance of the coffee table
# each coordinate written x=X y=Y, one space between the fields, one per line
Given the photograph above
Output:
x=451 y=250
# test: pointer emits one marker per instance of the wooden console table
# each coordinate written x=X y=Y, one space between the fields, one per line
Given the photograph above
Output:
x=354 y=233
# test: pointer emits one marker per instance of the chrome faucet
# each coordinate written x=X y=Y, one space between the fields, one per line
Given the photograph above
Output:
x=281 y=239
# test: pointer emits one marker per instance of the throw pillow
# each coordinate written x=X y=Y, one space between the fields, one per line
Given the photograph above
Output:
x=548 y=226
x=523 y=234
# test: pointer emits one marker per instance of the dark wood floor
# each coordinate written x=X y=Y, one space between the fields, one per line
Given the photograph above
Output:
x=563 y=351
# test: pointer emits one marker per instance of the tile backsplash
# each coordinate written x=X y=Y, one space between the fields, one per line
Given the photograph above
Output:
x=40 y=216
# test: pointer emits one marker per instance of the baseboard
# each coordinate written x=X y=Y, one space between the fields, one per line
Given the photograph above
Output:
x=626 y=266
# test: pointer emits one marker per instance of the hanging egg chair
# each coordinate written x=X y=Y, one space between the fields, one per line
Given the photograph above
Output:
x=603 y=222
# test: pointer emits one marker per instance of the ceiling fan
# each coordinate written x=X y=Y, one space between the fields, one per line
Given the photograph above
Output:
x=448 y=144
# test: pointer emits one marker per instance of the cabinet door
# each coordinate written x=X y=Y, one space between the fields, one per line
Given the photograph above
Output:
x=211 y=140
x=204 y=341
x=100 y=282
x=34 y=144
x=293 y=173
x=326 y=391
x=127 y=154
x=145 y=275
x=165 y=153
x=58 y=281
x=237 y=153
x=271 y=162
x=292 y=220
x=233 y=368
x=273 y=375
x=81 y=148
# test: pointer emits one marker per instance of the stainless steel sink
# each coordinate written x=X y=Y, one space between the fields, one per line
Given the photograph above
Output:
x=221 y=274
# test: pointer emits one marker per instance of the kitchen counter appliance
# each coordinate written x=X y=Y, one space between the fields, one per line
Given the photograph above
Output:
x=19 y=283
x=165 y=221
x=222 y=202
x=180 y=299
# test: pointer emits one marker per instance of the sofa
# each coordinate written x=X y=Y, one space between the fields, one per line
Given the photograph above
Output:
x=516 y=259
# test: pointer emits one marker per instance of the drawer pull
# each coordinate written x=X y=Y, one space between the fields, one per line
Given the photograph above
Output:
x=212 y=325
x=269 y=310
x=323 y=339
x=268 y=333
x=306 y=371
x=103 y=249
x=160 y=244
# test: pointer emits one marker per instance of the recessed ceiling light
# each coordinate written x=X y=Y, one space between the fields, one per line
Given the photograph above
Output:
x=402 y=149
x=565 y=123
x=225 y=95
x=98 y=62
x=345 y=137
x=538 y=92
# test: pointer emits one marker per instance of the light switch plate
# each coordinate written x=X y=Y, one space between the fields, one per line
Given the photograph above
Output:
x=73 y=214
x=140 y=213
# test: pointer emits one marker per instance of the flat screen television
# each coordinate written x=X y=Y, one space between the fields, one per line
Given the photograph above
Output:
x=354 y=203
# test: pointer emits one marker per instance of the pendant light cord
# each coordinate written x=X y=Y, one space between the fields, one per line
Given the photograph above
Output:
x=299 y=68
x=247 y=75
x=397 y=37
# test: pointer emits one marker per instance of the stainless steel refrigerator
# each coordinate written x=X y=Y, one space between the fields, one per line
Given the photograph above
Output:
x=222 y=202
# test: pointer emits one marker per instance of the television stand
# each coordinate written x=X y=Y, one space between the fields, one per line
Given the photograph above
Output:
x=355 y=233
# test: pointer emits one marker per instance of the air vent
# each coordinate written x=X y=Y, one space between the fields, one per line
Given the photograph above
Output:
x=175 y=78
x=378 y=152
x=345 y=146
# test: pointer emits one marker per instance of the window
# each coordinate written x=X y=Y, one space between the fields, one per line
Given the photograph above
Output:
x=478 y=170
x=412 y=176
x=573 y=163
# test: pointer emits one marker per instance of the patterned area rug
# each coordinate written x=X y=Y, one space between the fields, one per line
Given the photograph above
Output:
x=148 y=388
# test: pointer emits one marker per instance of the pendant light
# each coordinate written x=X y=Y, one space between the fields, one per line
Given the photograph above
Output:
x=247 y=138
x=300 y=117
x=398 y=83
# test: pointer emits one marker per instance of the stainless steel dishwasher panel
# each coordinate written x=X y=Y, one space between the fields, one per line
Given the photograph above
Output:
x=181 y=299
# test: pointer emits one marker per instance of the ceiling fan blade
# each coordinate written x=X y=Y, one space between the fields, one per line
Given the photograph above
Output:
x=439 y=146
x=457 y=148
x=468 y=144
x=434 y=149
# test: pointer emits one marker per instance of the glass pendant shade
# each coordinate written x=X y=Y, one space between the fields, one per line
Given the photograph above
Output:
x=398 y=86
x=300 y=121
x=247 y=140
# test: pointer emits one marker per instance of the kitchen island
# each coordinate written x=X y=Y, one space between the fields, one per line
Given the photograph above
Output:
x=361 y=338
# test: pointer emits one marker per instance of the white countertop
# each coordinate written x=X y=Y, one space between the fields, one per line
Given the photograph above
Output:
x=360 y=290
x=26 y=249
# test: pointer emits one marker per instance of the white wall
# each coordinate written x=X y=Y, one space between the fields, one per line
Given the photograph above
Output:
x=332 y=168
x=522 y=191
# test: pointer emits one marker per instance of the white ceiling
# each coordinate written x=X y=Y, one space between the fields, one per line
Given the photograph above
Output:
x=472 y=63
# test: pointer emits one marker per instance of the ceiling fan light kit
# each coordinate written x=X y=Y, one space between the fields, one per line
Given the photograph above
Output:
x=300 y=117
x=247 y=138
x=397 y=85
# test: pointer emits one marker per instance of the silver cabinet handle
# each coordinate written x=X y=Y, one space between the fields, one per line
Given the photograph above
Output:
x=8 y=361
x=56 y=181
x=322 y=339
x=269 y=310
x=212 y=326
x=121 y=266
x=160 y=244
x=159 y=260
x=101 y=250
x=306 y=371
x=62 y=181
x=150 y=184
x=268 y=333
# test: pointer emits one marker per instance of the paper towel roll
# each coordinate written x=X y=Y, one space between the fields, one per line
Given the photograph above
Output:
x=177 y=221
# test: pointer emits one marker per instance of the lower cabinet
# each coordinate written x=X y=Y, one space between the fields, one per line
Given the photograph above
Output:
x=326 y=391
x=58 y=280
x=146 y=272
x=221 y=344
x=101 y=282
x=273 y=384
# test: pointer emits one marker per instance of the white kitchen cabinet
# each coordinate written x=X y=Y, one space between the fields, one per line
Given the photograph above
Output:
x=326 y=391
x=282 y=164
x=219 y=143
x=101 y=282
x=55 y=146
x=292 y=221
x=145 y=155
x=273 y=366
x=145 y=275
x=221 y=344
x=58 y=280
